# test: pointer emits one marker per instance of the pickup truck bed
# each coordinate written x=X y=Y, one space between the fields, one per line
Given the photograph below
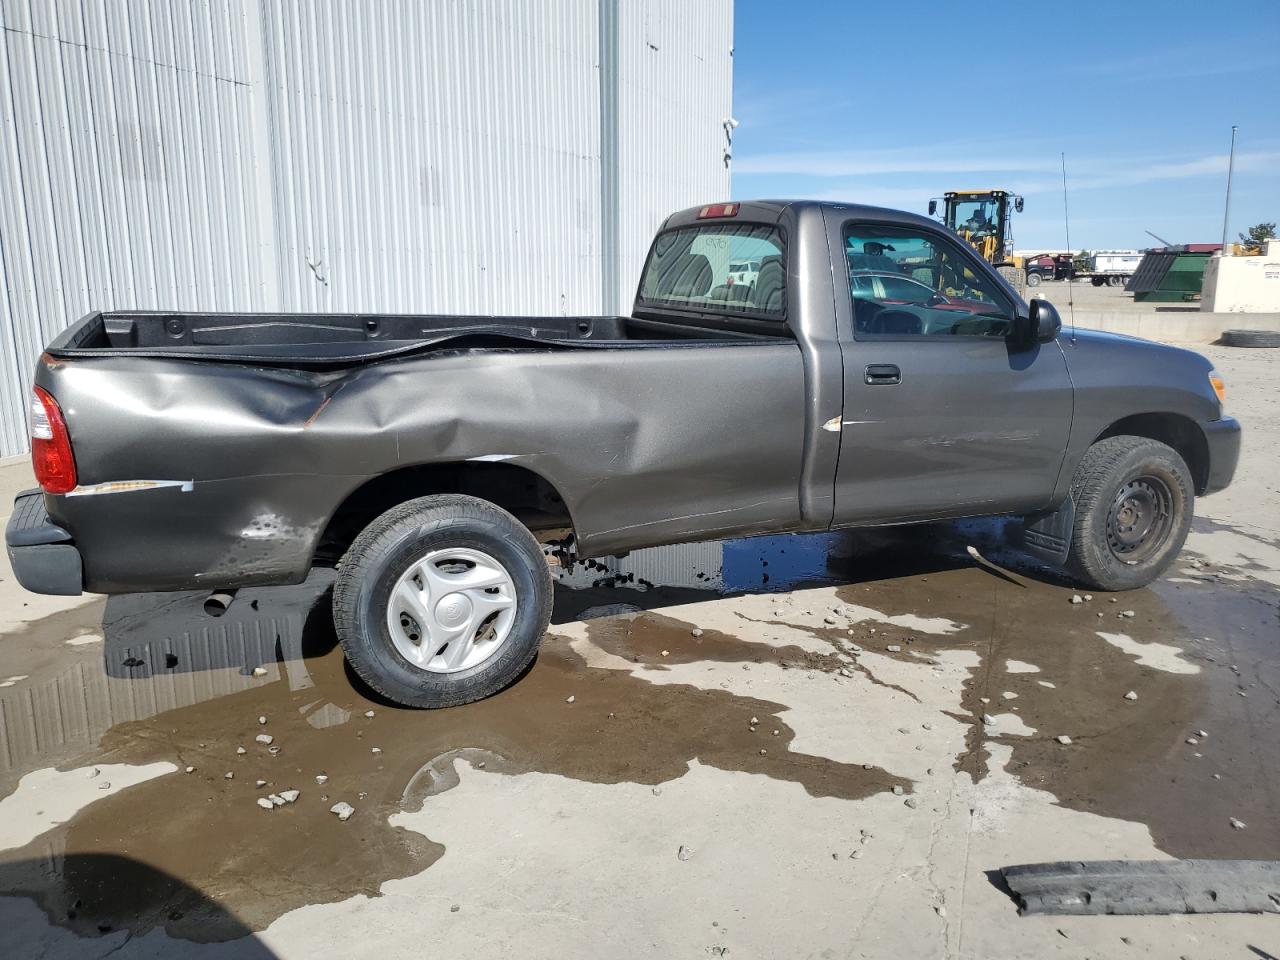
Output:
x=260 y=428
x=344 y=339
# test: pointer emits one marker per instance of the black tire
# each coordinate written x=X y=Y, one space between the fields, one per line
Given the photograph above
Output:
x=1033 y=279
x=395 y=541
x=1251 y=338
x=1097 y=281
x=1109 y=550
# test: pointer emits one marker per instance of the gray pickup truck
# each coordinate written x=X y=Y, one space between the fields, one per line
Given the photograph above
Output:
x=867 y=369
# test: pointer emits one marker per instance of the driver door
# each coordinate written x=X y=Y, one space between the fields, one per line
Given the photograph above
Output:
x=944 y=413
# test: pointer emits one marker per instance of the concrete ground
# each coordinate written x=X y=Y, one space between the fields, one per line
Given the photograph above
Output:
x=819 y=746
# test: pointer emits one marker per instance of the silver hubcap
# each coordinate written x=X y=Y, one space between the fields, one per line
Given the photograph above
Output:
x=451 y=610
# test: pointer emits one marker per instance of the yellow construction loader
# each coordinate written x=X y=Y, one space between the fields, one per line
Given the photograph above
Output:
x=983 y=218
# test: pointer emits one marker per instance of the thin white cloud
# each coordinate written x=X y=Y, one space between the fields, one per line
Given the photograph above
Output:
x=938 y=158
x=846 y=169
x=1132 y=174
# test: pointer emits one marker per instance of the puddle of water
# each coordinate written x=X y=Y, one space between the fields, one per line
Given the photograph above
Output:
x=178 y=687
x=196 y=713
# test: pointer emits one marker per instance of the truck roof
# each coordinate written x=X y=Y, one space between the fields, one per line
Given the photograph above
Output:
x=771 y=211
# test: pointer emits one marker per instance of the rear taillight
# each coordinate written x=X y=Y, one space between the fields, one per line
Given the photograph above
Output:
x=51 y=455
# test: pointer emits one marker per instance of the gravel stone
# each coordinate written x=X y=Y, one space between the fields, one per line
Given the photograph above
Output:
x=1131 y=695
x=343 y=810
x=266 y=804
x=1064 y=740
x=265 y=738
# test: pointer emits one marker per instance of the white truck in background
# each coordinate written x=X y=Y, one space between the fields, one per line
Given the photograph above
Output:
x=1111 y=267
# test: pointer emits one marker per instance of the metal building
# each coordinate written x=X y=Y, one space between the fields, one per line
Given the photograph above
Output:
x=495 y=156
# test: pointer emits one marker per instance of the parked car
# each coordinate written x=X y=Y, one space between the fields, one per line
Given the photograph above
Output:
x=425 y=456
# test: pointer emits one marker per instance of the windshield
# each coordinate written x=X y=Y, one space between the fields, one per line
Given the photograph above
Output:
x=717 y=268
x=976 y=217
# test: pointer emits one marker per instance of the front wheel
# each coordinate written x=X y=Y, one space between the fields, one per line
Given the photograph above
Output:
x=1033 y=279
x=1134 y=499
x=441 y=601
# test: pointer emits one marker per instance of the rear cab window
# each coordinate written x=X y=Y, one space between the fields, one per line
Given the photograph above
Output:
x=729 y=270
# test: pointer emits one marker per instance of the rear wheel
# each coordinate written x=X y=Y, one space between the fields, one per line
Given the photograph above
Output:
x=441 y=601
x=1134 y=500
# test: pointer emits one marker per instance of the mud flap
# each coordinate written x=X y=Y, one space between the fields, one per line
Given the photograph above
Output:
x=1047 y=536
x=1134 y=887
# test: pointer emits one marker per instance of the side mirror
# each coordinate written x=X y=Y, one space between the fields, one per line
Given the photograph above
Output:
x=933 y=207
x=1045 y=322
x=1017 y=204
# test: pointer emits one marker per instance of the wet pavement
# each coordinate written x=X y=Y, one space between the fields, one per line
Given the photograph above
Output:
x=193 y=853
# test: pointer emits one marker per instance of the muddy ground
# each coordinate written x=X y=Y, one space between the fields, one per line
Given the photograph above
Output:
x=787 y=746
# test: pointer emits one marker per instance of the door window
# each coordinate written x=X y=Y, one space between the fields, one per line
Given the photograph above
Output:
x=907 y=282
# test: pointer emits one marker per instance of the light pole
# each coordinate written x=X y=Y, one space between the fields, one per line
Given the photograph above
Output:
x=1226 y=214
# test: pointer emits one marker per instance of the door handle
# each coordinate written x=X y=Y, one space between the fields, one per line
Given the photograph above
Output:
x=877 y=374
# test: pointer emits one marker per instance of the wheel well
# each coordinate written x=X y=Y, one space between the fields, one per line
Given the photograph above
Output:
x=1181 y=433
x=525 y=494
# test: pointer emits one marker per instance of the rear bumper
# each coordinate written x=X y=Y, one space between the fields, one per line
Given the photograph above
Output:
x=1223 y=437
x=41 y=553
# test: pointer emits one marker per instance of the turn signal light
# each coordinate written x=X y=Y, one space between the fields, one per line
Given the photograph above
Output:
x=1219 y=387
x=51 y=456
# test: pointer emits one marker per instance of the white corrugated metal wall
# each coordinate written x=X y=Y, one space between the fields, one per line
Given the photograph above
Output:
x=385 y=155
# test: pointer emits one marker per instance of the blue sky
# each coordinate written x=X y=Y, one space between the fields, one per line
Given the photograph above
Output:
x=893 y=103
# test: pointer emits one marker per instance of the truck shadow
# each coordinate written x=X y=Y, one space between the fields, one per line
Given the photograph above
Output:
x=695 y=573
x=277 y=628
